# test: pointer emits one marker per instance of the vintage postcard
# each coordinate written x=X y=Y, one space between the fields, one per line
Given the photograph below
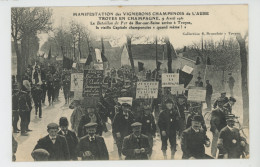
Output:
x=130 y=83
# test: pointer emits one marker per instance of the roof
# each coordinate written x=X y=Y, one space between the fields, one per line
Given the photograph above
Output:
x=148 y=51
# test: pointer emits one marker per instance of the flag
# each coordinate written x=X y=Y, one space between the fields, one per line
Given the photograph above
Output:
x=49 y=54
x=140 y=66
x=197 y=61
x=158 y=65
x=67 y=62
x=184 y=78
x=184 y=49
x=89 y=60
x=208 y=61
x=103 y=57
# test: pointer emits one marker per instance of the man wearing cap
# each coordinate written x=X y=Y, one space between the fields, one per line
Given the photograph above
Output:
x=55 y=144
x=136 y=145
x=231 y=83
x=24 y=109
x=70 y=136
x=221 y=100
x=40 y=155
x=193 y=140
x=66 y=88
x=92 y=146
x=37 y=98
x=148 y=125
x=209 y=92
x=93 y=117
x=228 y=106
x=230 y=142
x=122 y=126
x=50 y=89
x=181 y=104
x=168 y=123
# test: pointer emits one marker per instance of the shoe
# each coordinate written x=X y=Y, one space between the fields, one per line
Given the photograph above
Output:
x=28 y=130
x=15 y=131
x=24 y=134
x=18 y=129
x=40 y=116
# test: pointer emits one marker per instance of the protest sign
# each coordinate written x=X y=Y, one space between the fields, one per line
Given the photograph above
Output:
x=147 y=90
x=170 y=79
x=93 y=83
x=76 y=82
x=196 y=94
x=177 y=89
x=187 y=69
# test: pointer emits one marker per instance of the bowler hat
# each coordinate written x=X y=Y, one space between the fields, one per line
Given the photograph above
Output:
x=197 y=118
x=230 y=117
x=63 y=121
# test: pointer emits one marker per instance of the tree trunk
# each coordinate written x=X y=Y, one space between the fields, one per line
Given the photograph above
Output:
x=19 y=62
x=244 y=84
x=169 y=55
x=130 y=53
x=79 y=47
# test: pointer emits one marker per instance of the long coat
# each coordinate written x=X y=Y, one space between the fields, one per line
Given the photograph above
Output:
x=58 y=151
x=192 y=143
x=230 y=143
x=97 y=148
x=131 y=142
x=169 y=122
x=122 y=125
x=72 y=142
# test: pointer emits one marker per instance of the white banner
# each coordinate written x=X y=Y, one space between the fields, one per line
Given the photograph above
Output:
x=187 y=69
x=98 y=55
x=146 y=90
x=170 y=79
x=128 y=100
x=196 y=94
x=177 y=89
x=76 y=82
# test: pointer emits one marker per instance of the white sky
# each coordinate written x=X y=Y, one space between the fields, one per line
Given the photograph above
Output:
x=222 y=18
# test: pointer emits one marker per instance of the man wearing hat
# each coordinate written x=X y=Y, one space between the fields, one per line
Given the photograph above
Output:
x=50 y=89
x=55 y=144
x=92 y=146
x=228 y=106
x=122 y=126
x=193 y=140
x=230 y=142
x=24 y=109
x=93 y=117
x=221 y=100
x=231 y=83
x=66 y=88
x=182 y=104
x=15 y=113
x=37 y=98
x=136 y=145
x=70 y=136
x=168 y=123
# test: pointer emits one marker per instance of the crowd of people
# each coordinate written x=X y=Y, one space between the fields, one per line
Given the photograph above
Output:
x=134 y=125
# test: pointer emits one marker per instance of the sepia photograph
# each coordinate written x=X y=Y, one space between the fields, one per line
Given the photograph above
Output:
x=130 y=83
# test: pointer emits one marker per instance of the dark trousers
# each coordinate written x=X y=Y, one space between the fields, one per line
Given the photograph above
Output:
x=38 y=105
x=208 y=101
x=172 y=140
x=24 y=121
x=15 y=119
x=56 y=93
x=28 y=119
x=119 y=144
x=44 y=91
x=50 y=94
x=66 y=94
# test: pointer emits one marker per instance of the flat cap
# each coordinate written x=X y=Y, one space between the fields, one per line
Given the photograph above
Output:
x=232 y=99
x=91 y=124
x=40 y=154
x=223 y=92
x=168 y=101
x=136 y=124
x=230 y=117
x=52 y=126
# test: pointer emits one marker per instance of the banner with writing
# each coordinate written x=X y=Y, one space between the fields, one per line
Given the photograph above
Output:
x=170 y=79
x=146 y=90
x=177 y=89
x=93 y=83
x=76 y=82
x=196 y=95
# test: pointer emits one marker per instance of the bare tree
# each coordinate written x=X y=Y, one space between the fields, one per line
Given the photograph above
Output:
x=25 y=22
x=244 y=84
